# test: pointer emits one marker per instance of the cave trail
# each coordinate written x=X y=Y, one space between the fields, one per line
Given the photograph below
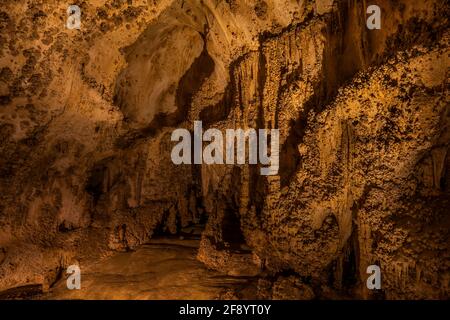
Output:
x=163 y=269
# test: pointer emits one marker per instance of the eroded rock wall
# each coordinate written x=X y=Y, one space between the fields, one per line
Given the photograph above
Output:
x=86 y=118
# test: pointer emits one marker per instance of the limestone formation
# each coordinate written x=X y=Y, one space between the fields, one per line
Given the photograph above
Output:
x=86 y=117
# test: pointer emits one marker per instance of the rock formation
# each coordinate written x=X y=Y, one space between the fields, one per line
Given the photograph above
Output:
x=86 y=118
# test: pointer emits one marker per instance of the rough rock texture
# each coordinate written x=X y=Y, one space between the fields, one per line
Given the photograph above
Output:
x=86 y=117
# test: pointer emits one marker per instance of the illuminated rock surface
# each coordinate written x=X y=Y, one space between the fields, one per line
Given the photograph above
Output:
x=85 y=123
x=168 y=270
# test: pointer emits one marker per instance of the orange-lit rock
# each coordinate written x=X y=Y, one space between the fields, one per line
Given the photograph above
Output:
x=86 y=117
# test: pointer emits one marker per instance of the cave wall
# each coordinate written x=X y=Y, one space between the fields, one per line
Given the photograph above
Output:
x=86 y=118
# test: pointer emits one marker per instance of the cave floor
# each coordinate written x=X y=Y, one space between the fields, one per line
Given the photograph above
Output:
x=162 y=269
